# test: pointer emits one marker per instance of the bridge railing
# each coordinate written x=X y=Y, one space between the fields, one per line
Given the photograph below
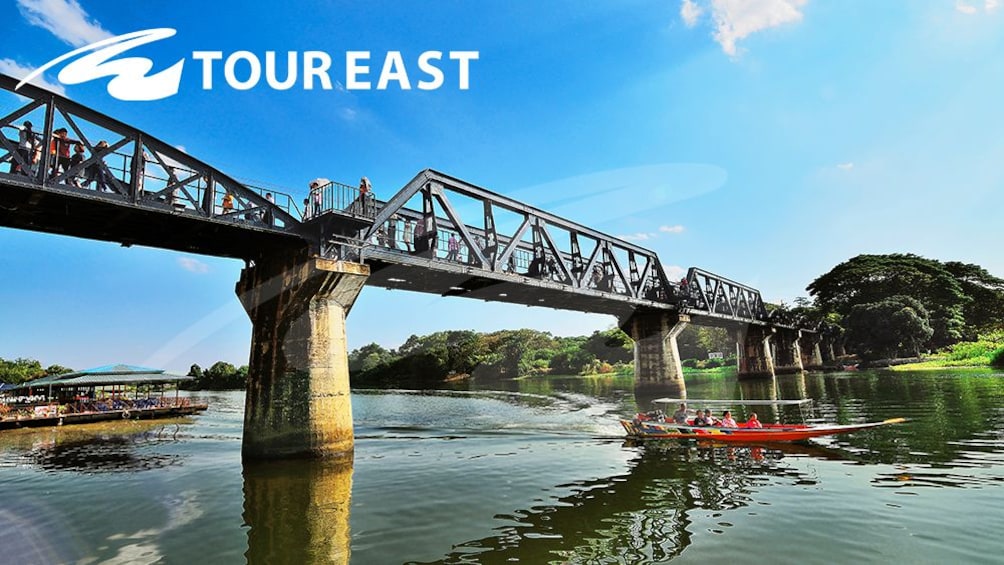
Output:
x=70 y=147
x=535 y=244
x=342 y=199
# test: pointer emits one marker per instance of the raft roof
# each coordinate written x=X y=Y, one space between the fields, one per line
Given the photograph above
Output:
x=119 y=374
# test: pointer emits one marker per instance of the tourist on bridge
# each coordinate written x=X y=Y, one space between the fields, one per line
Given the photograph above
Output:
x=409 y=234
x=269 y=216
x=317 y=194
x=366 y=197
x=392 y=231
x=77 y=158
x=453 y=248
x=306 y=209
x=27 y=146
x=59 y=150
x=95 y=172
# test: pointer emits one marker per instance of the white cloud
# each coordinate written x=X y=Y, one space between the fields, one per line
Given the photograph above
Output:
x=735 y=20
x=845 y=166
x=989 y=6
x=12 y=68
x=638 y=236
x=671 y=229
x=348 y=114
x=193 y=265
x=66 y=19
x=964 y=7
x=674 y=272
x=690 y=12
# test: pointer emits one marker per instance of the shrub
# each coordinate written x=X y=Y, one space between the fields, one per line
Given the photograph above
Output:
x=997 y=358
x=712 y=363
x=690 y=363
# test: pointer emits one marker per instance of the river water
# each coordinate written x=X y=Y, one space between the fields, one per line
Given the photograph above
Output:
x=532 y=471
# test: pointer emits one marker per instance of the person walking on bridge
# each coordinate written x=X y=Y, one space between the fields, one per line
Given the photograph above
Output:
x=453 y=248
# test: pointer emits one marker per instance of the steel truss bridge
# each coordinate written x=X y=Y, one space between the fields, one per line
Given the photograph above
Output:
x=81 y=173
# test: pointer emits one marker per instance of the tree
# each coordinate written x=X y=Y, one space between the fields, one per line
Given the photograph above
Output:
x=57 y=370
x=868 y=279
x=195 y=371
x=612 y=346
x=984 y=313
x=17 y=371
x=888 y=328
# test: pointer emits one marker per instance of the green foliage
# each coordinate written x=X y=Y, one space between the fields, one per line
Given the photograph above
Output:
x=997 y=358
x=57 y=370
x=220 y=376
x=977 y=353
x=17 y=371
x=985 y=311
x=689 y=363
x=888 y=328
x=502 y=354
x=612 y=345
x=962 y=300
x=871 y=279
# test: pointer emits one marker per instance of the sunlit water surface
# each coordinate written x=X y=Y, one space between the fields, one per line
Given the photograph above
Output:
x=534 y=471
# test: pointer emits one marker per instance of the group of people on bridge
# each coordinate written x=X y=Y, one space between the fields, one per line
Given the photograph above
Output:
x=64 y=155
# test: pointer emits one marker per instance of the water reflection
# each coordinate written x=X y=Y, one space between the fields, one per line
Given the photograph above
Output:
x=297 y=511
x=643 y=516
x=94 y=448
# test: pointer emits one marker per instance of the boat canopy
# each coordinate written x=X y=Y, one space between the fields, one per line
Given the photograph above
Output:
x=109 y=375
x=733 y=402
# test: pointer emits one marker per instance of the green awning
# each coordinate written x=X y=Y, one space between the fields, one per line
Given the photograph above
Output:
x=106 y=376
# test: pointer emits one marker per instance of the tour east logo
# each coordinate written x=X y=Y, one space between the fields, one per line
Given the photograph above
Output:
x=133 y=79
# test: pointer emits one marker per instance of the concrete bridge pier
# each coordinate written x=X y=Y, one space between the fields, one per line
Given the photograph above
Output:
x=298 y=402
x=826 y=350
x=753 y=352
x=787 y=352
x=809 y=345
x=656 y=355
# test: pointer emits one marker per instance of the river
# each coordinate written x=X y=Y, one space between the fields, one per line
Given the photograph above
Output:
x=531 y=471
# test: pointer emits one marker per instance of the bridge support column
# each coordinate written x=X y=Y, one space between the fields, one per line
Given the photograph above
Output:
x=789 y=355
x=826 y=350
x=298 y=401
x=812 y=355
x=753 y=352
x=656 y=355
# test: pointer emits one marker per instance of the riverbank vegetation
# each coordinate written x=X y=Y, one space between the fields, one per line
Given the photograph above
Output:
x=986 y=351
x=509 y=354
x=903 y=305
x=17 y=371
x=219 y=376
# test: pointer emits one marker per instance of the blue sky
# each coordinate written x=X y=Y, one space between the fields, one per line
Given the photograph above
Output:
x=763 y=140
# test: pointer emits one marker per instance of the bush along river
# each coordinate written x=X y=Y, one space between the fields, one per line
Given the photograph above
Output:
x=532 y=471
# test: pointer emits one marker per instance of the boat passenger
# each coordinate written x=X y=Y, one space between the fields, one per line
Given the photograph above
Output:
x=709 y=418
x=727 y=421
x=680 y=416
x=700 y=419
x=753 y=421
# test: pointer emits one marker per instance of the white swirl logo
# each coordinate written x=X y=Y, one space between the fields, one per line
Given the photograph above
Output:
x=131 y=81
